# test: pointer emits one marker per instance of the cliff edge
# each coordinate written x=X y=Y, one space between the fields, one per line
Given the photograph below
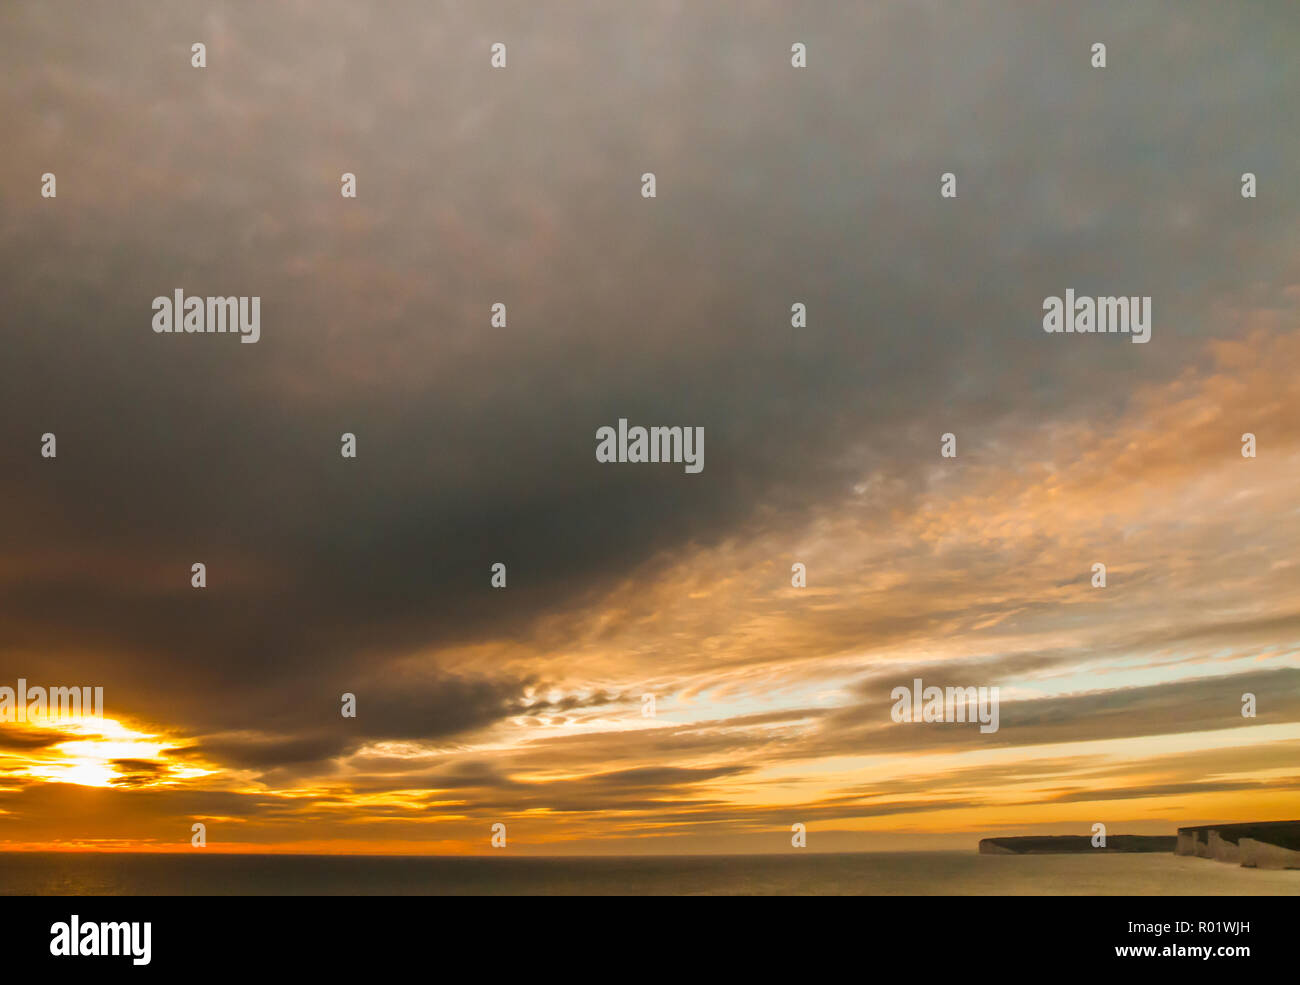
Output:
x=1075 y=844
x=1255 y=844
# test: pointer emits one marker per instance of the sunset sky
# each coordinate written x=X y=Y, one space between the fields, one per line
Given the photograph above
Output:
x=475 y=444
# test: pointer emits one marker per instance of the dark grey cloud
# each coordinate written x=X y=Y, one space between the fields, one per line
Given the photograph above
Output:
x=29 y=739
x=476 y=444
x=265 y=753
x=309 y=734
x=1181 y=706
x=865 y=728
x=1075 y=795
x=137 y=772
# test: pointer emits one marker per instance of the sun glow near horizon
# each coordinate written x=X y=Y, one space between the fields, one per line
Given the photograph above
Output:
x=97 y=752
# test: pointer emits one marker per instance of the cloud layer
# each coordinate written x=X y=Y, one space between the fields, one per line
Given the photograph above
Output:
x=475 y=443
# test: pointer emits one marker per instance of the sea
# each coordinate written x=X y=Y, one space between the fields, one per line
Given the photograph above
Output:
x=881 y=874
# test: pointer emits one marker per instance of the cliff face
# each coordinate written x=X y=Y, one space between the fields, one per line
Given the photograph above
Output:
x=1222 y=850
x=1259 y=844
x=1263 y=845
x=994 y=846
x=1261 y=855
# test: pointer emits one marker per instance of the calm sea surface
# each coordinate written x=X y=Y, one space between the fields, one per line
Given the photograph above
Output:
x=902 y=873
